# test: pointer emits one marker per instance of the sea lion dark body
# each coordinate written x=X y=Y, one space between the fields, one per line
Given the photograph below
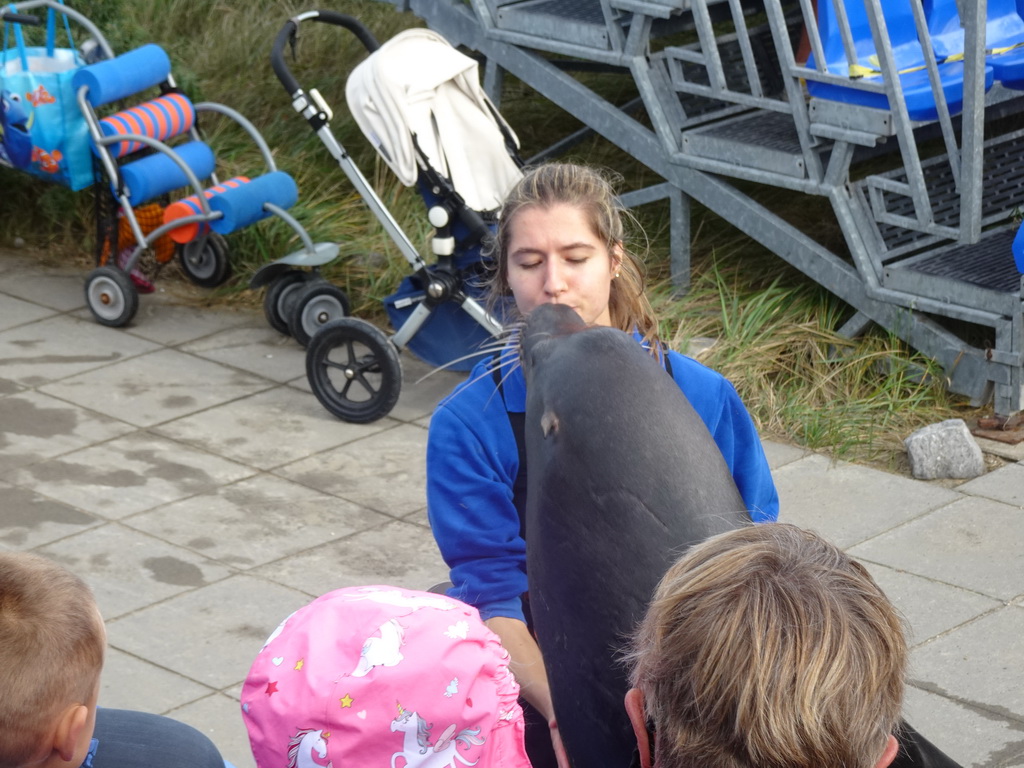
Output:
x=623 y=476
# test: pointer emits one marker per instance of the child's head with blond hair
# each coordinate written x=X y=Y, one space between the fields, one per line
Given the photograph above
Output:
x=768 y=646
x=51 y=652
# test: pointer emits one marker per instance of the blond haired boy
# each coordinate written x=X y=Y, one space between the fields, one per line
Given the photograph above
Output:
x=51 y=652
x=52 y=642
x=768 y=646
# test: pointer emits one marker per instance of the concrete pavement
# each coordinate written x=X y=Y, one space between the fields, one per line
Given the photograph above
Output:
x=183 y=469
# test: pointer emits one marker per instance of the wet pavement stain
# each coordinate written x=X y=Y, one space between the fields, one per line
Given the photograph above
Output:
x=8 y=387
x=174 y=402
x=171 y=570
x=58 y=359
x=66 y=473
x=202 y=542
x=24 y=509
x=20 y=416
x=172 y=471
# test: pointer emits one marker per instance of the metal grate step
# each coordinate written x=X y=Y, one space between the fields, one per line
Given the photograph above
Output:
x=1002 y=192
x=983 y=275
x=763 y=140
x=574 y=21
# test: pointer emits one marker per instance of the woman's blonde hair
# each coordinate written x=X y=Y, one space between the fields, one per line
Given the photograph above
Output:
x=767 y=647
x=51 y=650
x=593 y=192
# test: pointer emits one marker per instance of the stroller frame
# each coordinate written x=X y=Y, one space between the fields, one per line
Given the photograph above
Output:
x=371 y=377
x=110 y=294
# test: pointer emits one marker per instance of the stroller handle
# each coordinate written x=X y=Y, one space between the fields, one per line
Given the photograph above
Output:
x=20 y=18
x=288 y=35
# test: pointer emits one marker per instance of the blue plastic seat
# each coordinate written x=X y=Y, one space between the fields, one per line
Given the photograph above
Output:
x=907 y=53
x=1004 y=37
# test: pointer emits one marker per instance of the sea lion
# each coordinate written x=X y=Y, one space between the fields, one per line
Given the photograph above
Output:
x=623 y=477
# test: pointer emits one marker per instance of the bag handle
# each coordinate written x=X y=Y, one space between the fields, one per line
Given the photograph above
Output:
x=51 y=37
x=51 y=32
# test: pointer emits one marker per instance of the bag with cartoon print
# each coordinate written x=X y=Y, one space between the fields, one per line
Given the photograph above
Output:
x=42 y=130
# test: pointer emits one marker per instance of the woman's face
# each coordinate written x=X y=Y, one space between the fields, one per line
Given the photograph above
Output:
x=554 y=257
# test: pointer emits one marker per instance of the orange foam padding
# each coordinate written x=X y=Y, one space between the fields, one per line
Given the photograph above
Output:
x=189 y=206
x=161 y=119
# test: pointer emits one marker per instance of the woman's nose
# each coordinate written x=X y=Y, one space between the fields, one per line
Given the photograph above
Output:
x=554 y=279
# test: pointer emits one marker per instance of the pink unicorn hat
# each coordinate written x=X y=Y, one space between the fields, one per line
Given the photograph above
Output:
x=363 y=676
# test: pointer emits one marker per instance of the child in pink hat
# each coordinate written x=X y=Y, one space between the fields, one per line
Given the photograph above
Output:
x=382 y=676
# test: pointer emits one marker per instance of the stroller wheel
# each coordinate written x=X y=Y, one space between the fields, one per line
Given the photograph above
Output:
x=316 y=305
x=354 y=370
x=279 y=298
x=205 y=260
x=111 y=297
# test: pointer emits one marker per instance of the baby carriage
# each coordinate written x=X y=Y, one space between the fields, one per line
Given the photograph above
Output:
x=419 y=102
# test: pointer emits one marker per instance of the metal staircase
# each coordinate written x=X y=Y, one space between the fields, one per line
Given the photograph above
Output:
x=920 y=158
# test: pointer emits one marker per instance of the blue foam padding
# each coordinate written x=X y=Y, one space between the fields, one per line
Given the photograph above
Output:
x=158 y=174
x=243 y=205
x=127 y=74
x=1018 y=250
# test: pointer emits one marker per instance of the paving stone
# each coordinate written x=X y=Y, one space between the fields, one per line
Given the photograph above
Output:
x=158 y=387
x=259 y=349
x=930 y=607
x=973 y=738
x=1003 y=450
x=172 y=325
x=268 y=429
x=980 y=663
x=128 y=682
x=256 y=521
x=419 y=517
x=34 y=426
x=780 y=454
x=973 y=543
x=399 y=554
x=128 y=570
x=220 y=718
x=210 y=634
x=29 y=520
x=130 y=474
x=58 y=289
x=61 y=346
x=8 y=387
x=1004 y=484
x=848 y=503
x=423 y=387
x=15 y=312
x=385 y=471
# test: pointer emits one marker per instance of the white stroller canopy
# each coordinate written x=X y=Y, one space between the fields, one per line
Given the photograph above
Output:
x=416 y=84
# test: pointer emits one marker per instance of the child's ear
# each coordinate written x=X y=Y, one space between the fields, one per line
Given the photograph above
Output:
x=69 y=734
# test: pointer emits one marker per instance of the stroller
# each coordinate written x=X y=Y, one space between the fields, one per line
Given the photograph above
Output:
x=419 y=102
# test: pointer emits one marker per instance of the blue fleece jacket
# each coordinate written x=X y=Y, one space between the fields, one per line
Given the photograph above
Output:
x=473 y=460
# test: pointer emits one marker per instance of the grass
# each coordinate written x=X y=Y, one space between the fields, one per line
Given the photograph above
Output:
x=775 y=330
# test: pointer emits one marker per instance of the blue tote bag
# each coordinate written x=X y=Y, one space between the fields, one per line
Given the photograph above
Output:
x=42 y=130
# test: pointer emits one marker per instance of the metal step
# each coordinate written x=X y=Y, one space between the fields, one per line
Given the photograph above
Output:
x=1002 y=192
x=983 y=275
x=573 y=21
x=761 y=139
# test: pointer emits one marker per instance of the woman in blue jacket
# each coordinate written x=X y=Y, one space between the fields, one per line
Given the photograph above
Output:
x=560 y=240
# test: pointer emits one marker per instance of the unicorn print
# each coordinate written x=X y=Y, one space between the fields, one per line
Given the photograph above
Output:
x=381 y=651
x=417 y=750
x=302 y=746
x=276 y=632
